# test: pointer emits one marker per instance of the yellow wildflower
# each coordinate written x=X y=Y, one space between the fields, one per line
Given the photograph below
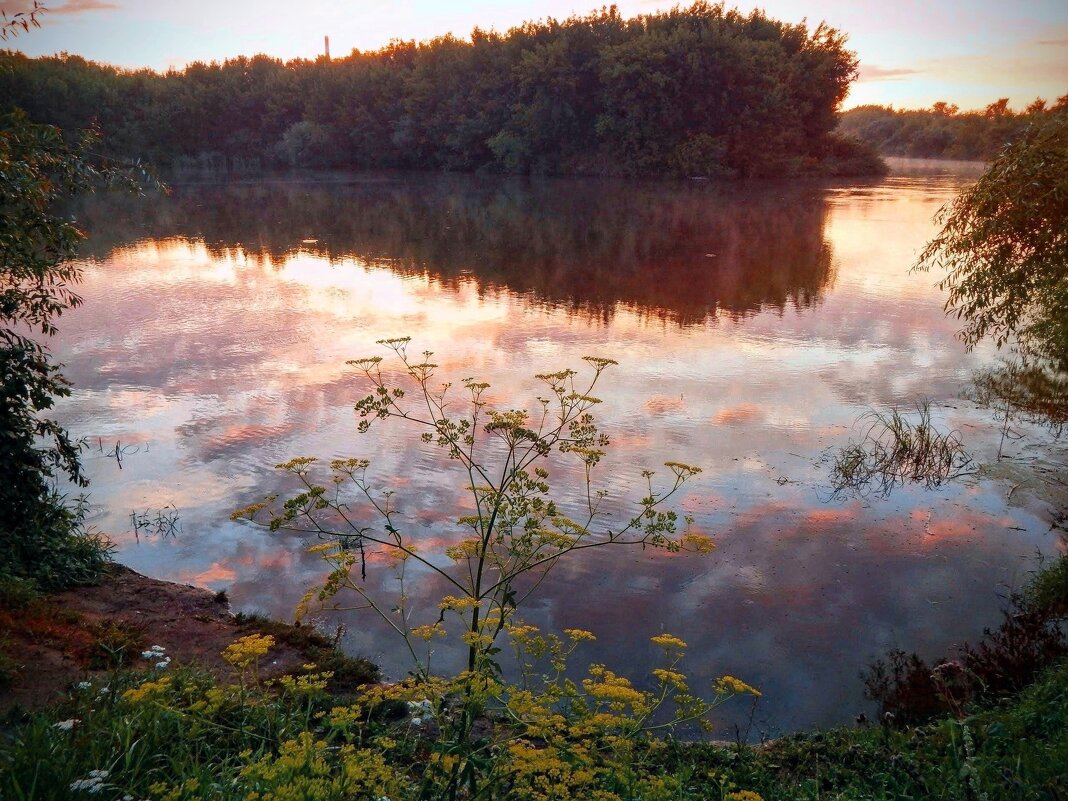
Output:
x=476 y=640
x=248 y=650
x=463 y=550
x=729 y=685
x=579 y=634
x=426 y=632
x=148 y=690
x=672 y=677
x=698 y=543
x=458 y=604
x=668 y=641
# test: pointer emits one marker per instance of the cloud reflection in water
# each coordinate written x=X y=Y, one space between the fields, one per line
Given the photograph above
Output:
x=753 y=325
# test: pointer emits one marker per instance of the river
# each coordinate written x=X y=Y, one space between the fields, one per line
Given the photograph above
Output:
x=753 y=325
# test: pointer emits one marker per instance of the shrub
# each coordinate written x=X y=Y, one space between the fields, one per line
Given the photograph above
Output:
x=1029 y=640
x=41 y=536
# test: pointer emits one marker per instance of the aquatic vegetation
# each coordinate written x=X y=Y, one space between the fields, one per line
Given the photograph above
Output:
x=897 y=449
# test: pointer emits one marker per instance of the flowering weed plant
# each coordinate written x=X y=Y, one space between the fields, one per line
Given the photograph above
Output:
x=480 y=733
x=517 y=532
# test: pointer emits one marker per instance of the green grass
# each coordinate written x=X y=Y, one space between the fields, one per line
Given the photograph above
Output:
x=1048 y=590
x=1017 y=751
x=52 y=548
x=172 y=742
x=177 y=735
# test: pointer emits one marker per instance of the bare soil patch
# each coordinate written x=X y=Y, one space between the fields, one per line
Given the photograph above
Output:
x=82 y=633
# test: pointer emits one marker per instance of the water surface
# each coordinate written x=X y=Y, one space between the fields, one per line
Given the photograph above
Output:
x=753 y=324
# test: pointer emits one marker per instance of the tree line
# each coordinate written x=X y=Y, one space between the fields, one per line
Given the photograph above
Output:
x=700 y=91
x=944 y=131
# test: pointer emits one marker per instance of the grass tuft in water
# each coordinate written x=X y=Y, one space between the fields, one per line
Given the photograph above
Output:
x=898 y=449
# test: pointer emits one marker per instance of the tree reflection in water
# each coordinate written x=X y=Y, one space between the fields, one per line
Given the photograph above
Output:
x=1031 y=392
x=683 y=253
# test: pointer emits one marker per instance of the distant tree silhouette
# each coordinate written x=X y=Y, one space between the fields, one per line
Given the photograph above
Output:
x=942 y=131
x=696 y=91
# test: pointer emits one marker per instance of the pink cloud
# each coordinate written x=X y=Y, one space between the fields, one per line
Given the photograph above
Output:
x=80 y=6
x=662 y=404
x=873 y=72
x=218 y=572
x=735 y=415
x=70 y=7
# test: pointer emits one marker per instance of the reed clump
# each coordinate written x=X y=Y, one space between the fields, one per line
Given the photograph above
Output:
x=895 y=449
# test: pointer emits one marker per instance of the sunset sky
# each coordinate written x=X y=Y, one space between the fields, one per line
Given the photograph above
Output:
x=912 y=53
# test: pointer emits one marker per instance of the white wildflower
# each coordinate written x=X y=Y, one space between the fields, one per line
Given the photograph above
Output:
x=66 y=725
x=424 y=708
x=84 y=685
x=93 y=783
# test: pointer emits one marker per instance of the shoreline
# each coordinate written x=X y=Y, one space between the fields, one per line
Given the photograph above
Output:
x=56 y=640
x=1009 y=744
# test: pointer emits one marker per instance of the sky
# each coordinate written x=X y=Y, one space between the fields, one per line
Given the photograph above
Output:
x=912 y=53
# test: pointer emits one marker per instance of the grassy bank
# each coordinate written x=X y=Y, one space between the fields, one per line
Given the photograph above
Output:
x=51 y=642
x=173 y=733
x=1015 y=750
x=185 y=736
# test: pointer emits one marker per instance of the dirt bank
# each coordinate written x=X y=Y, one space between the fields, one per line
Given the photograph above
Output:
x=49 y=643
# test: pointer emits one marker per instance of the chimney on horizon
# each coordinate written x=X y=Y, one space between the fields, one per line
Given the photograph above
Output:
x=326 y=42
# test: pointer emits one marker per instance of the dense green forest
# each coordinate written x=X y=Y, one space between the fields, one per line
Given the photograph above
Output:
x=943 y=131
x=700 y=91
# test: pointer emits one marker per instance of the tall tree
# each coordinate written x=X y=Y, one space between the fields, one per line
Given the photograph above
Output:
x=1004 y=245
x=40 y=534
